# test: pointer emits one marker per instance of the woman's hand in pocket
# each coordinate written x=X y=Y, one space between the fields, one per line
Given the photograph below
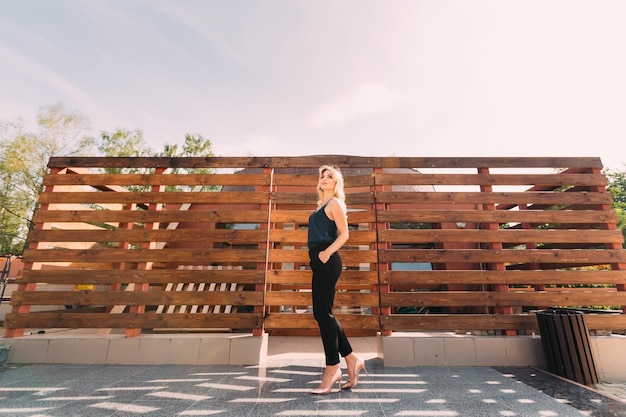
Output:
x=324 y=256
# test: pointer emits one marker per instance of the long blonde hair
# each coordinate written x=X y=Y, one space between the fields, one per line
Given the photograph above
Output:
x=338 y=176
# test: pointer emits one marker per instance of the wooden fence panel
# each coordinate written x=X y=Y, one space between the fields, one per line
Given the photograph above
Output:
x=462 y=244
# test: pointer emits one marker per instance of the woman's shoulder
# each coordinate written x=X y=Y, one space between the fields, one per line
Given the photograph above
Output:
x=336 y=202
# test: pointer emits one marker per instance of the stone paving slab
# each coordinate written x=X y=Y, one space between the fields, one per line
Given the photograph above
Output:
x=178 y=390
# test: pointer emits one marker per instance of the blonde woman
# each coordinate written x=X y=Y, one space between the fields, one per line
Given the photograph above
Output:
x=328 y=232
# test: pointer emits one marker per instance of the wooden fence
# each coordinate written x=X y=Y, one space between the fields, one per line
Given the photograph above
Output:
x=457 y=244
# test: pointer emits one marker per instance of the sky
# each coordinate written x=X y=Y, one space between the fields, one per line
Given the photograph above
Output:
x=449 y=78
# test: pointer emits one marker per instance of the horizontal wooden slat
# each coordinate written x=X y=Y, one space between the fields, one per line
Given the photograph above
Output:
x=145 y=216
x=187 y=256
x=406 y=278
x=502 y=235
x=138 y=235
x=300 y=298
x=357 y=237
x=303 y=277
x=191 y=216
x=155 y=276
x=302 y=255
x=492 y=298
x=452 y=322
x=306 y=321
x=319 y=160
x=253 y=179
x=491 y=179
x=500 y=216
x=489 y=322
x=514 y=198
x=286 y=198
x=593 y=257
x=154 y=197
x=136 y=297
x=129 y=320
x=93 y=180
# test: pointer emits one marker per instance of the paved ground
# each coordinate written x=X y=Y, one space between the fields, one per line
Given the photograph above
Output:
x=283 y=390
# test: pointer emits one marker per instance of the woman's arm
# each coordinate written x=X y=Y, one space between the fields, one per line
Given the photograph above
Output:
x=337 y=212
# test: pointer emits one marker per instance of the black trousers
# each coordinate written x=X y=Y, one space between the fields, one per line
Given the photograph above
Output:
x=323 y=286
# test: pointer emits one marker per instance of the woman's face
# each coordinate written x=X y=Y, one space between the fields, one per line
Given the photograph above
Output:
x=327 y=181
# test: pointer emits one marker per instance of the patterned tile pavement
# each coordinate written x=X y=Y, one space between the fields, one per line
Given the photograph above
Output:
x=280 y=387
x=174 y=390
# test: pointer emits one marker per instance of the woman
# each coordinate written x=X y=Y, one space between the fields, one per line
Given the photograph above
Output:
x=328 y=231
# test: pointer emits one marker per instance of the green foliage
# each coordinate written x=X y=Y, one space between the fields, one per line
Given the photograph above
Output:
x=24 y=156
x=194 y=145
x=617 y=188
x=125 y=143
x=122 y=142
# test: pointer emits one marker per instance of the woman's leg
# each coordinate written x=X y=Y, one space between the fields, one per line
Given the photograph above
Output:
x=323 y=286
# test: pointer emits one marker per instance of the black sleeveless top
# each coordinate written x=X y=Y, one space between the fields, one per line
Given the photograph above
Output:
x=322 y=230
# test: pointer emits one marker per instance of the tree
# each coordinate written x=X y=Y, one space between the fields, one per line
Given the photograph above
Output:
x=617 y=188
x=24 y=157
x=195 y=145
x=122 y=142
x=126 y=143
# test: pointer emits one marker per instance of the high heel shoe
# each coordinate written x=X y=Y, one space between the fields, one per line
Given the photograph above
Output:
x=336 y=379
x=358 y=367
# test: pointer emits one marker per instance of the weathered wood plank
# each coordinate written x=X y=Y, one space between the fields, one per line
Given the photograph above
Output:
x=225 y=197
x=451 y=322
x=534 y=277
x=94 y=298
x=145 y=216
x=192 y=216
x=499 y=216
x=154 y=276
x=513 y=198
x=306 y=320
x=302 y=255
x=183 y=256
x=493 y=298
x=68 y=319
x=553 y=180
x=303 y=277
x=319 y=160
x=300 y=298
x=357 y=237
x=309 y=199
x=408 y=236
x=99 y=180
x=566 y=256
x=144 y=235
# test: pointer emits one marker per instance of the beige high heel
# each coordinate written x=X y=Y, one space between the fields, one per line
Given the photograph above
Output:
x=358 y=367
x=336 y=379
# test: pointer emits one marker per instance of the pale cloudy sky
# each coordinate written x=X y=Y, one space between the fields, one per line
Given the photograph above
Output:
x=358 y=77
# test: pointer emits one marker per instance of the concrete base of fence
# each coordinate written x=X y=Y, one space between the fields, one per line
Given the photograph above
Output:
x=398 y=350
x=450 y=349
x=179 y=349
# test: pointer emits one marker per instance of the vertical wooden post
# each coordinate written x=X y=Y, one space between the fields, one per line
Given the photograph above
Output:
x=267 y=246
x=30 y=266
x=495 y=266
x=610 y=226
x=146 y=266
x=121 y=245
x=378 y=246
x=532 y=245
